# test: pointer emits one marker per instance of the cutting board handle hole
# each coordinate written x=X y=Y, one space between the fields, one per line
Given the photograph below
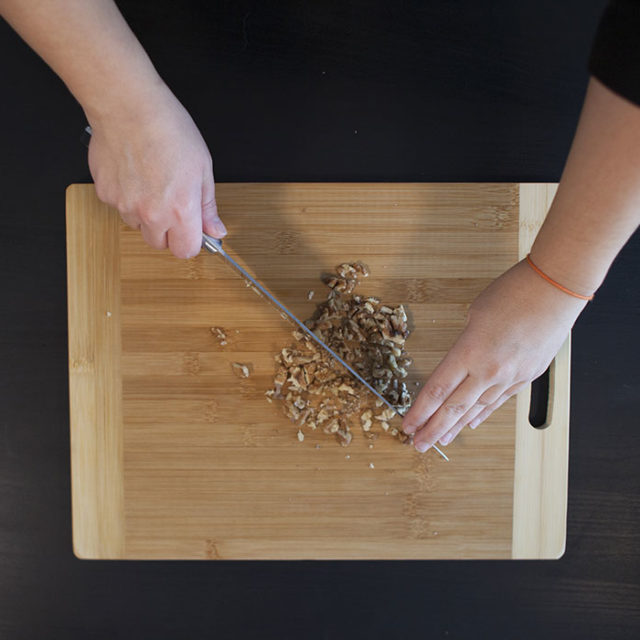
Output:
x=541 y=397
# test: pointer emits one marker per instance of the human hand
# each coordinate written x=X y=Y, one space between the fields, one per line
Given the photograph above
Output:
x=514 y=329
x=151 y=163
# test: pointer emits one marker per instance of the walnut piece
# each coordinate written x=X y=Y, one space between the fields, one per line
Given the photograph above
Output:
x=240 y=369
x=220 y=334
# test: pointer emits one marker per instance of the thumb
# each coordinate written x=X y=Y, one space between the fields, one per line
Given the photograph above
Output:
x=211 y=223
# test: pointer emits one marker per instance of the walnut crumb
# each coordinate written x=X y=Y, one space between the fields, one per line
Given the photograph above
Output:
x=241 y=370
x=371 y=465
x=310 y=294
x=386 y=415
x=220 y=334
x=300 y=435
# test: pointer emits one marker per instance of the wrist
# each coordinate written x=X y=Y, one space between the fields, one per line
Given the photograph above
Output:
x=541 y=293
x=552 y=282
x=521 y=293
x=570 y=255
x=134 y=99
x=574 y=270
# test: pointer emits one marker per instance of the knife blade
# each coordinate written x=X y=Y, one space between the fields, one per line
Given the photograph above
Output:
x=213 y=245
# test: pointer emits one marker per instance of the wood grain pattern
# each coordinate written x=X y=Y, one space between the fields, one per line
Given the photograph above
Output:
x=95 y=386
x=542 y=455
x=210 y=470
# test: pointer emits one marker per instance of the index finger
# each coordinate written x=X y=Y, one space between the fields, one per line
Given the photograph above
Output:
x=185 y=236
x=440 y=385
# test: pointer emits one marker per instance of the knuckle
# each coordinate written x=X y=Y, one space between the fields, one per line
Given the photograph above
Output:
x=148 y=215
x=183 y=216
x=177 y=209
x=509 y=371
x=456 y=409
x=183 y=205
x=525 y=376
x=488 y=397
x=492 y=370
x=436 y=391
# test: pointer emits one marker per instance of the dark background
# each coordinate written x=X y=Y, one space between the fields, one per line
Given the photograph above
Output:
x=451 y=91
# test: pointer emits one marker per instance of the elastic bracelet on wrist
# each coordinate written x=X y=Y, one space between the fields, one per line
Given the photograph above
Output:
x=542 y=274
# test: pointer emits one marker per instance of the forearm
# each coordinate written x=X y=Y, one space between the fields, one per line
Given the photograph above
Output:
x=90 y=46
x=597 y=206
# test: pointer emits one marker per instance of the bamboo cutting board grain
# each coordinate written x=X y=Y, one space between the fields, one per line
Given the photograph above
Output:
x=175 y=457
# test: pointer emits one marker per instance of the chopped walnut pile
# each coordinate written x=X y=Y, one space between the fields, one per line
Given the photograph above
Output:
x=318 y=393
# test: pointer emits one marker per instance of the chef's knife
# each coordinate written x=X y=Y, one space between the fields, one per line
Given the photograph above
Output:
x=213 y=245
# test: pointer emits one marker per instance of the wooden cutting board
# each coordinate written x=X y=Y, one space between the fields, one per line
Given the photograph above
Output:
x=174 y=457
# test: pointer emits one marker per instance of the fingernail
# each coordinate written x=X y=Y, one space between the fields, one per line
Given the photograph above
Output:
x=423 y=446
x=219 y=227
x=446 y=439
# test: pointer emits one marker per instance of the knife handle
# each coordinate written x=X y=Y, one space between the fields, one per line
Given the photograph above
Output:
x=213 y=245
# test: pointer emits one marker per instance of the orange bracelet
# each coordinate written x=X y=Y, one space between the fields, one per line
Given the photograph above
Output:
x=556 y=284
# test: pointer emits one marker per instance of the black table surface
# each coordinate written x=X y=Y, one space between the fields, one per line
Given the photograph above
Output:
x=352 y=90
